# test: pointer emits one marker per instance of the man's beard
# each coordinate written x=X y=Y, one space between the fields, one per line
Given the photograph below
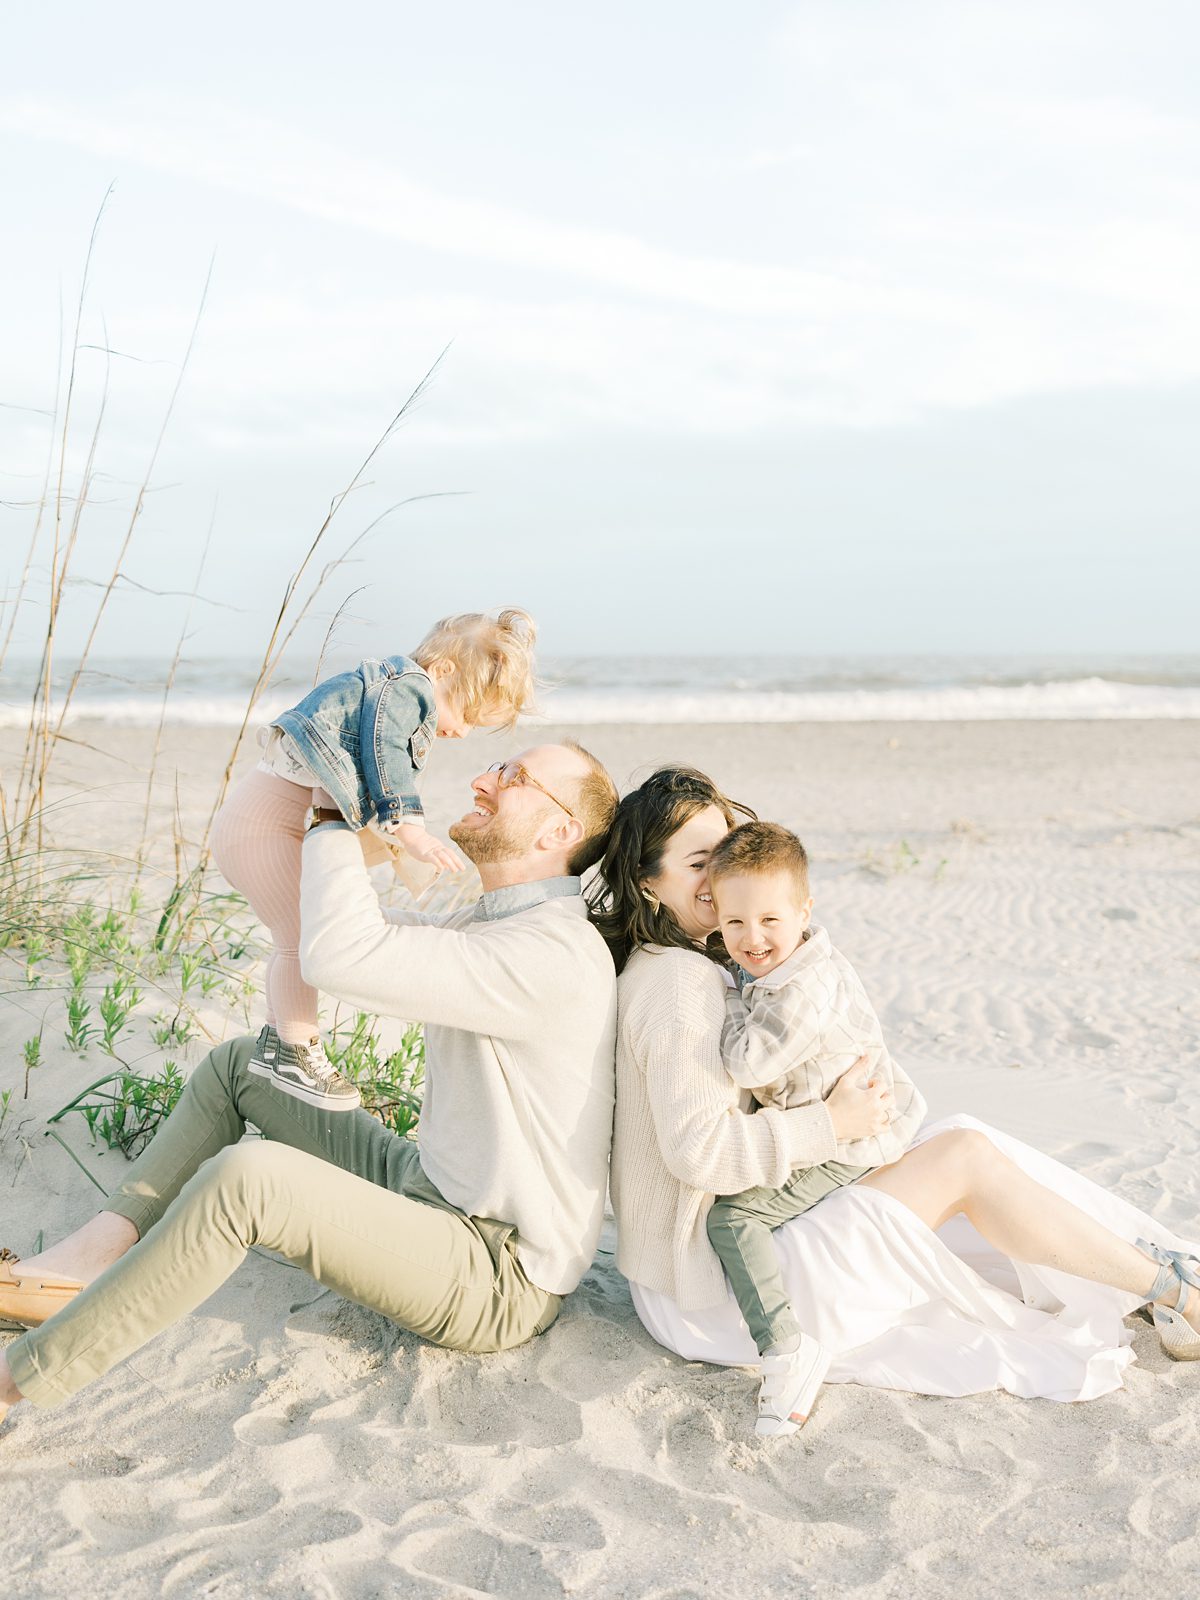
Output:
x=499 y=841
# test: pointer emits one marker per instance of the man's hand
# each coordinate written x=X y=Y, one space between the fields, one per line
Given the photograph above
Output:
x=423 y=846
x=858 y=1110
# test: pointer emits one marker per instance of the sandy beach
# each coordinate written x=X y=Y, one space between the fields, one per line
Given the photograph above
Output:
x=1020 y=899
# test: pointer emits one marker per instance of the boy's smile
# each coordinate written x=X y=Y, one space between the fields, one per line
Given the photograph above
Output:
x=761 y=919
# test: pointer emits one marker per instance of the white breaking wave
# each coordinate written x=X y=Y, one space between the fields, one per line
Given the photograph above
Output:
x=143 y=711
x=1086 y=699
x=1083 y=699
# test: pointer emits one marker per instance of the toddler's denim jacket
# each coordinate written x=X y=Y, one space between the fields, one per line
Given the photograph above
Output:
x=365 y=735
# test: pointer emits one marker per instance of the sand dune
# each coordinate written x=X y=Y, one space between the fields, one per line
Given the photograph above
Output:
x=1021 y=901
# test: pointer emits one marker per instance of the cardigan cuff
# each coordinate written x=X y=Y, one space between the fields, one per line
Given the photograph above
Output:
x=810 y=1138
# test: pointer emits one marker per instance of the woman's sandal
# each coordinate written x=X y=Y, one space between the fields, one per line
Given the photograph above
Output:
x=27 y=1302
x=1179 y=1339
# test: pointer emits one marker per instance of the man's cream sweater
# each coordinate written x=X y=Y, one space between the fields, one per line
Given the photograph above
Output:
x=519 y=1015
x=682 y=1132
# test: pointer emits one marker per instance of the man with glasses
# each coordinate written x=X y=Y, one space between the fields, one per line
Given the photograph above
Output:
x=471 y=1242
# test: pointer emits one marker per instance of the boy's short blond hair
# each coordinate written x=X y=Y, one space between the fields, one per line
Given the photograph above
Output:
x=756 y=848
x=493 y=662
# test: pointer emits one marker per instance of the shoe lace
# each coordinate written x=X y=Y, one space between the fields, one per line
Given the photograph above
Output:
x=1177 y=1262
x=319 y=1063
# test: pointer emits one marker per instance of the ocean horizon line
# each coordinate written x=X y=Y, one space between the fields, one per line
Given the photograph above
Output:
x=589 y=689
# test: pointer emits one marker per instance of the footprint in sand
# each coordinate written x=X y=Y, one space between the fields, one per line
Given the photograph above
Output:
x=490 y=1402
x=1159 y=1094
x=1089 y=1039
x=479 y=1561
x=674 y=1593
x=585 y=1358
x=565 y=1523
x=1167 y=1512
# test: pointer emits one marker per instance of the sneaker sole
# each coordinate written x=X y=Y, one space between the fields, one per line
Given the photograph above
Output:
x=298 y=1092
x=806 y=1397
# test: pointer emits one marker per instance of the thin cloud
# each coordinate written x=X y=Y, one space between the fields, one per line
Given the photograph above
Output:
x=934 y=293
x=254 y=157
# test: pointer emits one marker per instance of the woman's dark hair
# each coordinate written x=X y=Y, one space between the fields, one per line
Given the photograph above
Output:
x=647 y=818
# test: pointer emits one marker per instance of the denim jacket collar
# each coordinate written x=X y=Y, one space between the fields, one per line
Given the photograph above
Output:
x=499 y=903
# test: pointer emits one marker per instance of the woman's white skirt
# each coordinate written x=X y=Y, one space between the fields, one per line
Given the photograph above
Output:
x=940 y=1313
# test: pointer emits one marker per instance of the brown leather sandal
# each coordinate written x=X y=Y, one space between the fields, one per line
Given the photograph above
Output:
x=27 y=1302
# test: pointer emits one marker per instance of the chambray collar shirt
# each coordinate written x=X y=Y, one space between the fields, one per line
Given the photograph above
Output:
x=497 y=904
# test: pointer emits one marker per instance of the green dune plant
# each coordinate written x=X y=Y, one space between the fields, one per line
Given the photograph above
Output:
x=390 y=1085
x=104 y=936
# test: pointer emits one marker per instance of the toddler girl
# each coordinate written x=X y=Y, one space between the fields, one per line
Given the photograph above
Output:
x=356 y=744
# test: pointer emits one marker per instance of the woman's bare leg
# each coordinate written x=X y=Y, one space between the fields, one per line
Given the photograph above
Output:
x=963 y=1171
x=85 y=1253
x=9 y=1393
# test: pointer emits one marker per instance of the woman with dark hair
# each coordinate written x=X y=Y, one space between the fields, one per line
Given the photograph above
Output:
x=878 y=1270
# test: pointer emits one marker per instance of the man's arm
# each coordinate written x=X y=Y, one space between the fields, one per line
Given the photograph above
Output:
x=416 y=971
x=408 y=917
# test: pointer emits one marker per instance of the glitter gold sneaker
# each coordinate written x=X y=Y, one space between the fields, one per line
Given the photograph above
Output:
x=303 y=1071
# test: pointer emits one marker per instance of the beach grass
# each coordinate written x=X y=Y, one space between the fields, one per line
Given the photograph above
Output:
x=140 y=954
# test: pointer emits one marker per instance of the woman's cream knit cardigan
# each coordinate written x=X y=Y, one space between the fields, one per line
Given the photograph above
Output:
x=684 y=1132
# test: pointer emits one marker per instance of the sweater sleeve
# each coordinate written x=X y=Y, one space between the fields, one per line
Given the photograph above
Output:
x=498 y=985
x=706 y=1140
x=768 y=1033
x=406 y=917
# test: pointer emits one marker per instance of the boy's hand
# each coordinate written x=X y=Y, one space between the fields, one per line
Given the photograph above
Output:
x=858 y=1110
x=423 y=846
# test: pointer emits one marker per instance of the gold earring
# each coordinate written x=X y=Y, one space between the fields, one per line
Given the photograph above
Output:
x=651 y=899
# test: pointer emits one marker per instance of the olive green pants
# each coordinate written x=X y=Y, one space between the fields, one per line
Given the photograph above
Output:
x=740 y=1228
x=335 y=1193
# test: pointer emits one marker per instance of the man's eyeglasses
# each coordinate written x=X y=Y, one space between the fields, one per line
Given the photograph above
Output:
x=511 y=774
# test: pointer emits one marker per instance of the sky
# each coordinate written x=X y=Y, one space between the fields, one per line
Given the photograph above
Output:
x=831 y=326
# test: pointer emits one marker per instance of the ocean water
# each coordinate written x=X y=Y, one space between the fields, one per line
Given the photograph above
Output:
x=666 y=689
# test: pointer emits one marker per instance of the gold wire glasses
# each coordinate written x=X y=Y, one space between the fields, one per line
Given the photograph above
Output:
x=510 y=774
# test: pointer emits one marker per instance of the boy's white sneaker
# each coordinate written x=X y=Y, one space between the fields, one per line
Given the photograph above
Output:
x=792 y=1374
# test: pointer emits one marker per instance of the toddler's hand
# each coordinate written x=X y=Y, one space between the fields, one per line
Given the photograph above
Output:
x=423 y=846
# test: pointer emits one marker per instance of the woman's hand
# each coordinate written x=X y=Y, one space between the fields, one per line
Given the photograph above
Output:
x=857 y=1108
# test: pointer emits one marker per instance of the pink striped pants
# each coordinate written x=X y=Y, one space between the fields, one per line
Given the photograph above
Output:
x=256 y=843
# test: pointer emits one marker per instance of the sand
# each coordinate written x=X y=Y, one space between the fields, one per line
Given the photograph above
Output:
x=1021 y=901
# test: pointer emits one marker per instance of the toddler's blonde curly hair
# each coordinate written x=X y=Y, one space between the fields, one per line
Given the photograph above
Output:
x=493 y=662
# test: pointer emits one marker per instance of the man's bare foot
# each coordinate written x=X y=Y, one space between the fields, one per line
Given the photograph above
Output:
x=85 y=1253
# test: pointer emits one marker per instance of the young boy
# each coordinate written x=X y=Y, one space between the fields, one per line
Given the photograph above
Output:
x=799 y=1021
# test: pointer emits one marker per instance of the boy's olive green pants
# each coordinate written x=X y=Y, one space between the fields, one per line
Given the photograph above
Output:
x=740 y=1228
x=335 y=1193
